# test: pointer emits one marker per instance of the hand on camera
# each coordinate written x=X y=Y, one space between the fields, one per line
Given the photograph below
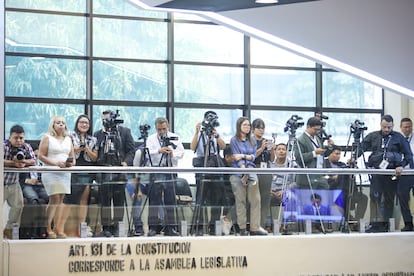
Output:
x=320 y=151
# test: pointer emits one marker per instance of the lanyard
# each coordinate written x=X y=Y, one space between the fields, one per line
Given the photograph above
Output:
x=386 y=145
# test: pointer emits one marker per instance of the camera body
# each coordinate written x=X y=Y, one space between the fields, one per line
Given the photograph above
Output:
x=209 y=123
x=112 y=122
x=166 y=141
x=20 y=153
x=294 y=123
x=357 y=128
x=144 y=131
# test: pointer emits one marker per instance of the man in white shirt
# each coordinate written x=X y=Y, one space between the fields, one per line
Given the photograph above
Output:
x=165 y=150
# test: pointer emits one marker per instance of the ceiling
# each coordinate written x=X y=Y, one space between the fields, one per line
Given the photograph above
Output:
x=370 y=39
x=221 y=5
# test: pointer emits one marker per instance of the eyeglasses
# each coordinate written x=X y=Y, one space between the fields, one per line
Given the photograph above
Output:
x=83 y=122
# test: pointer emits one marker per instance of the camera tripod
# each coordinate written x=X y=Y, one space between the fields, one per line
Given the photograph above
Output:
x=210 y=149
x=144 y=161
x=350 y=189
x=113 y=184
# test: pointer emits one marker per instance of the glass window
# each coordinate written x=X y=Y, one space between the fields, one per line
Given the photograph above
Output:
x=263 y=53
x=275 y=122
x=283 y=87
x=129 y=39
x=124 y=8
x=207 y=43
x=45 y=77
x=339 y=125
x=345 y=91
x=35 y=117
x=129 y=81
x=208 y=84
x=52 y=5
x=133 y=117
x=45 y=33
x=186 y=119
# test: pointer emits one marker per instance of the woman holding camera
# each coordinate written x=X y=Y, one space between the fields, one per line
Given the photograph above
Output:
x=56 y=149
x=86 y=153
x=264 y=155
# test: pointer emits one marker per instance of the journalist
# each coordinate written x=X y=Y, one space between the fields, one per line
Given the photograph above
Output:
x=389 y=150
x=17 y=154
x=165 y=149
x=206 y=144
x=116 y=148
x=310 y=154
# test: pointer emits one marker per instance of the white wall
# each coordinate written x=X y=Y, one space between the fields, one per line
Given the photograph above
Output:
x=372 y=35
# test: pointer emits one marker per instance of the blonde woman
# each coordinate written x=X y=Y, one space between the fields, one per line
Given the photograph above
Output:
x=56 y=149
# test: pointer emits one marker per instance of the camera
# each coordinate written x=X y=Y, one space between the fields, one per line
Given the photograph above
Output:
x=166 y=141
x=112 y=122
x=357 y=128
x=322 y=134
x=20 y=153
x=144 y=131
x=209 y=123
x=293 y=124
x=82 y=145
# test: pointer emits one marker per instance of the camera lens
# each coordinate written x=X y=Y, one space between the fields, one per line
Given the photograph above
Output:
x=20 y=155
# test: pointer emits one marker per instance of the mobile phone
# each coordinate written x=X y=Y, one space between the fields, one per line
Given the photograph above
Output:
x=69 y=160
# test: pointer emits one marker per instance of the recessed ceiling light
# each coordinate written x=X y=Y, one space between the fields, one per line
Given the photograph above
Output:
x=266 y=1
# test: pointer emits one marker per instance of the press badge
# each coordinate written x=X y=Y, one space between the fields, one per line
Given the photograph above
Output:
x=384 y=164
x=263 y=165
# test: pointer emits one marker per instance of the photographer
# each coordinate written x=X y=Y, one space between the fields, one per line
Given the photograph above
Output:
x=165 y=149
x=206 y=136
x=264 y=155
x=312 y=151
x=390 y=150
x=116 y=148
x=17 y=154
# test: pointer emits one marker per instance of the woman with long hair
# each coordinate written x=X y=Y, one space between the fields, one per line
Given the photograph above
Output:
x=243 y=148
x=86 y=153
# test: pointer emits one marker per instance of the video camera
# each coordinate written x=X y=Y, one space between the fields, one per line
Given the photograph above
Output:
x=166 y=141
x=209 y=123
x=20 y=153
x=112 y=122
x=322 y=134
x=357 y=128
x=144 y=131
x=293 y=124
